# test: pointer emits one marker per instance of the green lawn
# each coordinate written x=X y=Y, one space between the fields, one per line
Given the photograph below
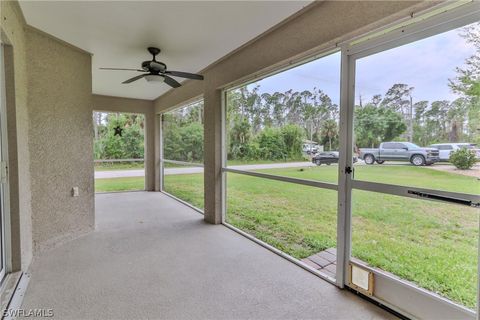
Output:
x=188 y=187
x=430 y=243
x=120 y=184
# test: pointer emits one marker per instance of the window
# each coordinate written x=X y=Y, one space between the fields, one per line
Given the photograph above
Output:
x=443 y=147
x=389 y=145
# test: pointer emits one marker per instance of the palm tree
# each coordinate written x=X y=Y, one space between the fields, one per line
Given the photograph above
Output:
x=330 y=131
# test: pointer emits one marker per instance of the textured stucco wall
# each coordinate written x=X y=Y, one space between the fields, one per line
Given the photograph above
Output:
x=60 y=140
x=13 y=34
x=118 y=104
x=319 y=27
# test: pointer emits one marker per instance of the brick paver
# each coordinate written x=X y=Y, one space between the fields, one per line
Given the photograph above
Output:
x=324 y=261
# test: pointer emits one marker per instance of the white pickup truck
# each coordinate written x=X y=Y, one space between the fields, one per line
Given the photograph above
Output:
x=400 y=151
x=446 y=149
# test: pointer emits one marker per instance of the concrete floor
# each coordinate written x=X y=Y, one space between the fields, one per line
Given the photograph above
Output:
x=152 y=257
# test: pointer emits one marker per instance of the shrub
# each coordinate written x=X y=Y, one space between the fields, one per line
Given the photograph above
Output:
x=293 y=140
x=244 y=151
x=463 y=158
x=271 y=144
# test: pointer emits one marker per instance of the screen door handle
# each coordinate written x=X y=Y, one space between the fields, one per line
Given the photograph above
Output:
x=445 y=198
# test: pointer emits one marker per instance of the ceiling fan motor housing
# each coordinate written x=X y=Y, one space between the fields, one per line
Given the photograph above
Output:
x=154 y=66
x=157 y=71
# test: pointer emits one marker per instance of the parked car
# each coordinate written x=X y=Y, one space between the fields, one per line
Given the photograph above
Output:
x=445 y=149
x=328 y=158
x=400 y=151
x=310 y=148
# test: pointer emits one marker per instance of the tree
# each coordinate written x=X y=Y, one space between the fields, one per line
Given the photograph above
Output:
x=436 y=121
x=467 y=82
x=399 y=99
x=183 y=133
x=330 y=132
x=239 y=139
x=129 y=145
x=456 y=117
x=374 y=125
x=271 y=144
x=293 y=140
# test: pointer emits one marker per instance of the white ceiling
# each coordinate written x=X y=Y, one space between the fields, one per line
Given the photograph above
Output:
x=191 y=34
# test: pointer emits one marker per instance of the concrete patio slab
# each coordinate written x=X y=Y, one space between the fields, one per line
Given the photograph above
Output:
x=152 y=257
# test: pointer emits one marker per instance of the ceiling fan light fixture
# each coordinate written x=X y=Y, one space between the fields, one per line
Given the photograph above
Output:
x=154 y=78
x=156 y=71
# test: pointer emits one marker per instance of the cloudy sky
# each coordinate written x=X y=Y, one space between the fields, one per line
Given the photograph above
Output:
x=426 y=65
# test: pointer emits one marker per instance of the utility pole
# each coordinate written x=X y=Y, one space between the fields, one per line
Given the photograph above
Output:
x=311 y=129
x=410 y=121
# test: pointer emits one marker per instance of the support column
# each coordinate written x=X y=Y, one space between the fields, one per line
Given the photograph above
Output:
x=158 y=153
x=150 y=150
x=213 y=156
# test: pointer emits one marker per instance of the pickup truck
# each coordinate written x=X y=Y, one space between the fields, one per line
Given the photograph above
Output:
x=400 y=151
x=446 y=149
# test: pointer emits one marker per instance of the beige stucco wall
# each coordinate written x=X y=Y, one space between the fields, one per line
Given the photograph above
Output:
x=145 y=107
x=318 y=27
x=60 y=140
x=13 y=33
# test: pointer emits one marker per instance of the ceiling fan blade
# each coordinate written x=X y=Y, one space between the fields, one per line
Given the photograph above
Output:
x=122 y=69
x=171 y=82
x=135 y=78
x=185 y=75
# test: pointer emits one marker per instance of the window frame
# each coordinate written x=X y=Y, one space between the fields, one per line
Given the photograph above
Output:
x=444 y=21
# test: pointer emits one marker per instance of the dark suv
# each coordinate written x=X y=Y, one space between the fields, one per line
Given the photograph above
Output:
x=327 y=157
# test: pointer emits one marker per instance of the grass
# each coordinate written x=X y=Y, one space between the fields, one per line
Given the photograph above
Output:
x=188 y=187
x=432 y=244
x=120 y=184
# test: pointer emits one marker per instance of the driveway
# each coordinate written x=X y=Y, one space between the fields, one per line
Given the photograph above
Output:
x=190 y=170
x=473 y=172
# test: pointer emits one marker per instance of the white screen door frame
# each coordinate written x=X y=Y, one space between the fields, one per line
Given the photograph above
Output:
x=5 y=260
x=391 y=291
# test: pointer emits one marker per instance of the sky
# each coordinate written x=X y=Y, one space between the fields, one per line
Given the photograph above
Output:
x=426 y=65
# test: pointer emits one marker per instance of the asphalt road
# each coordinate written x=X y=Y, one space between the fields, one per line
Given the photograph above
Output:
x=474 y=172
x=189 y=170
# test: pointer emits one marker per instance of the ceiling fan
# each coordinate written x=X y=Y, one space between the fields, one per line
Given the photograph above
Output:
x=157 y=71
